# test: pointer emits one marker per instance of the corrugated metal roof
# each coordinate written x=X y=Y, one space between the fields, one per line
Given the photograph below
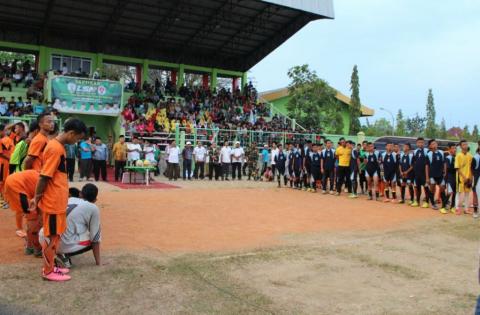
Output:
x=320 y=7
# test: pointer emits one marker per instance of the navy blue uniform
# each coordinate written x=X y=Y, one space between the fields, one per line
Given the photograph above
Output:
x=405 y=164
x=315 y=167
x=280 y=160
x=297 y=163
x=476 y=169
x=419 y=163
x=451 y=177
x=390 y=167
x=373 y=164
x=328 y=157
x=436 y=165
x=354 y=169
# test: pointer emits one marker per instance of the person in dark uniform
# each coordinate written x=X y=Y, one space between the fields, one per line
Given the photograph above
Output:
x=280 y=163
x=372 y=171
x=307 y=165
x=390 y=168
x=354 y=169
x=436 y=169
x=476 y=177
x=406 y=173
x=298 y=165
x=290 y=155
x=327 y=167
x=451 y=176
x=315 y=167
x=419 y=167
x=398 y=153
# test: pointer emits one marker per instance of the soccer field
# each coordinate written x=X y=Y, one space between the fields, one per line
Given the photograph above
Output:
x=251 y=248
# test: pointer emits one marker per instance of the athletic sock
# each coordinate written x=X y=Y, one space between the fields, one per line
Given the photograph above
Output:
x=402 y=191
x=377 y=194
x=387 y=193
x=444 y=198
x=412 y=193
x=419 y=193
x=370 y=193
x=429 y=195
x=394 y=195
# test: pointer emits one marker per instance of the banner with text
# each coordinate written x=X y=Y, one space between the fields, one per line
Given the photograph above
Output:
x=86 y=96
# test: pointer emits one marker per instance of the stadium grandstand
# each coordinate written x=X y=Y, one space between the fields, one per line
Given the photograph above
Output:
x=182 y=64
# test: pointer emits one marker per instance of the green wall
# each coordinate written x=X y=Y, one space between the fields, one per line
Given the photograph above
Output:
x=104 y=125
x=281 y=105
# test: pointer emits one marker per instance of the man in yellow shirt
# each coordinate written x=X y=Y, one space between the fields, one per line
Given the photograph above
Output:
x=119 y=153
x=463 y=165
x=343 y=154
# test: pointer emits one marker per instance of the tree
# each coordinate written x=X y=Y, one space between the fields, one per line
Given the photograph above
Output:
x=401 y=129
x=313 y=104
x=455 y=132
x=475 y=136
x=466 y=133
x=415 y=125
x=431 y=126
x=381 y=127
x=442 y=130
x=355 y=104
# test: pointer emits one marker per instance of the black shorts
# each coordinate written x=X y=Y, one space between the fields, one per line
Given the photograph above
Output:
x=420 y=180
x=437 y=181
x=297 y=172
x=390 y=177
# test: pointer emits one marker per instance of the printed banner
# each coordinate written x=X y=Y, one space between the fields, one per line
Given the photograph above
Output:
x=86 y=96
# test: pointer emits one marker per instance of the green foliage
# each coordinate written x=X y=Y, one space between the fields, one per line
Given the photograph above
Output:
x=475 y=136
x=466 y=133
x=313 y=104
x=431 y=127
x=415 y=125
x=355 y=104
x=442 y=130
x=380 y=128
x=11 y=56
x=401 y=128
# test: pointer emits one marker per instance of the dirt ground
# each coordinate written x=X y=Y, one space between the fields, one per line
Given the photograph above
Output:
x=250 y=248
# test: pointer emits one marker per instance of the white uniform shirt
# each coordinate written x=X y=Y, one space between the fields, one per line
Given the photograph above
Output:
x=134 y=156
x=149 y=153
x=225 y=155
x=173 y=154
x=200 y=154
x=273 y=154
x=237 y=154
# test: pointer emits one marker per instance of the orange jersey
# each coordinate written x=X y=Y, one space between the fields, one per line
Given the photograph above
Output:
x=15 y=138
x=7 y=146
x=36 y=150
x=20 y=183
x=55 y=196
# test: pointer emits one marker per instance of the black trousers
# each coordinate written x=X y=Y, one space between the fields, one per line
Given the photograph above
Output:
x=187 y=169
x=119 y=166
x=85 y=168
x=354 y=180
x=217 y=168
x=328 y=175
x=315 y=171
x=237 y=169
x=343 y=176
x=12 y=168
x=225 y=170
x=100 y=167
x=70 y=169
x=274 y=169
x=199 y=168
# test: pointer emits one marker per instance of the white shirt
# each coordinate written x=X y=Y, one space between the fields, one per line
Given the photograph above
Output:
x=273 y=154
x=237 y=154
x=133 y=156
x=200 y=153
x=149 y=153
x=64 y=70
x=225 y=155
x=173 y=154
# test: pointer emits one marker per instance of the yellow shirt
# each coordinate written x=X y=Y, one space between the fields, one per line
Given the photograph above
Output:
x=463 y=162
x=120 y=151
x=344 y=156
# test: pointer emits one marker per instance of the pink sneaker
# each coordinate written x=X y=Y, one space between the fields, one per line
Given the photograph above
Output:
x=386 y=200
x=61 y=270
x=56 y=276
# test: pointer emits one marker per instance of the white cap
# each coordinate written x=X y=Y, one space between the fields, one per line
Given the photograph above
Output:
x=189 y=143
x=237 y=142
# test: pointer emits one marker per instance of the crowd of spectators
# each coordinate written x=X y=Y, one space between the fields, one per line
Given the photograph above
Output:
x=155 y=109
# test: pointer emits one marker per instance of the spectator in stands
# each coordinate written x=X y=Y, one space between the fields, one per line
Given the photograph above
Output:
x=3 y=106
x=99 y=159
x=17 y=77
x=119 y=153
x=28 y=79
x=237 y=158
x=26 y=67
x=173 y=169
x=265 y=158
x=85 y=159
x=187 y=154
x=6 y=82
x=199 y=155
x=64 y=69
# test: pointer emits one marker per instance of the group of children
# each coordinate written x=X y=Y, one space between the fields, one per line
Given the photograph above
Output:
x=445 y=179
x=36 y=188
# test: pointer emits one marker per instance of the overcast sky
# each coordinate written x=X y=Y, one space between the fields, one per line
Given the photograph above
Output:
x=402 y=48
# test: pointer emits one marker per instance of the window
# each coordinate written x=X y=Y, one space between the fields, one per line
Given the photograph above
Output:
x=74 y=64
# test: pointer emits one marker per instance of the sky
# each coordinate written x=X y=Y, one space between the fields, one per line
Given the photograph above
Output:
x=402 y=48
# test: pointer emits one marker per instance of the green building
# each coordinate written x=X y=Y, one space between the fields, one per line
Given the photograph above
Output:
x=279 y=99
